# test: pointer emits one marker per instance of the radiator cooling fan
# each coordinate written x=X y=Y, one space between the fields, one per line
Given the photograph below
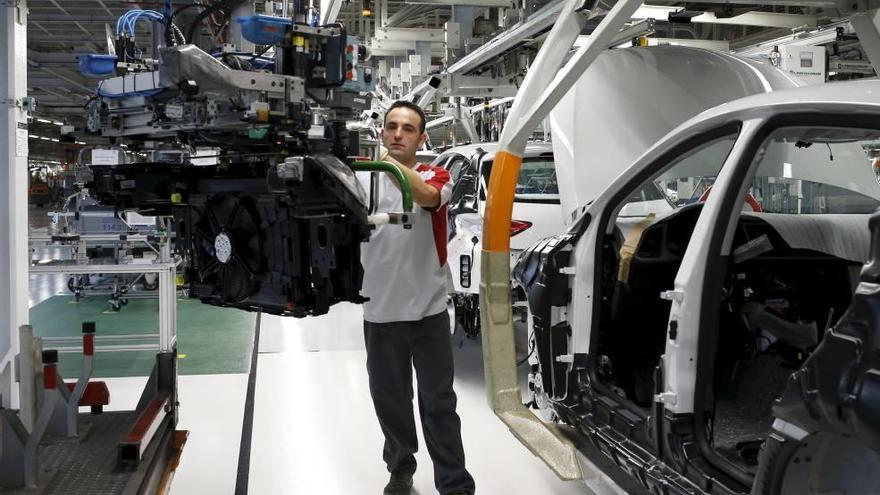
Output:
x=229 y=246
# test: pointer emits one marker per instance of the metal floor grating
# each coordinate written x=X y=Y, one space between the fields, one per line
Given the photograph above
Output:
x=85 y=466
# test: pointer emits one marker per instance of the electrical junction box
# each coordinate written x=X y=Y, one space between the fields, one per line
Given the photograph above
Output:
x=363 y=80
x=415 y=66
x=107 y=157
x=202 y=157
x=807 y=63
x=452 y=32
x=359 y=75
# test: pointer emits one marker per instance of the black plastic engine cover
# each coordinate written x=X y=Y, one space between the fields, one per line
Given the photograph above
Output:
x=537 y=271
x=838 y=388
x=258 y=240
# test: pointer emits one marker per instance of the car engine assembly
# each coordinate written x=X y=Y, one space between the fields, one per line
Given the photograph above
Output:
x=249 y=152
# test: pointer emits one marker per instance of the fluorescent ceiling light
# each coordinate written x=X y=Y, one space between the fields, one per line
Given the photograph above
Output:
x=47 y=121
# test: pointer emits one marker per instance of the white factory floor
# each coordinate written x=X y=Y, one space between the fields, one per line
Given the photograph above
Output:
x=314 y=428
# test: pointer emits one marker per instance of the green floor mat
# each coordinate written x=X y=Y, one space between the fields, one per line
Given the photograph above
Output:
x=210 y=340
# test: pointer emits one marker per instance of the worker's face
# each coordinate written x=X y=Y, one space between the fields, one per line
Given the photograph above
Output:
x=402 y=136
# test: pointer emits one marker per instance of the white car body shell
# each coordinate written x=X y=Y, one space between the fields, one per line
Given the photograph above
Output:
x=545 y=216
x=630 y=98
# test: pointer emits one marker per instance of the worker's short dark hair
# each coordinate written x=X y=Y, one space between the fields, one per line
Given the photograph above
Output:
x=412 y=106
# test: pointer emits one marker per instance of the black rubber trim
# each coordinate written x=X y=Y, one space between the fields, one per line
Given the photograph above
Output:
x=247 y=426
x=543 y=201
x=664 y=161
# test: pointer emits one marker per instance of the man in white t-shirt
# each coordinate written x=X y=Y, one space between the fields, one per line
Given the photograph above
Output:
x=406 y=325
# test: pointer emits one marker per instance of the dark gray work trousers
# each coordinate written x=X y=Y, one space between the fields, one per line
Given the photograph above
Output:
x=393 y=350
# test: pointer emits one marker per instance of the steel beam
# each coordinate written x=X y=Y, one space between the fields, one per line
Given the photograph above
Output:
x=845 y=7
x=536 y=23
x=66 y=13
x=410 y=34
x=46 y=90
x=720 y=46
x=52 y=57
x=69 y=38
x=488 y=106
x=67 y=77
x=439 y=121
x=504 y=4
x=867 y=25
x=762 y=19
x=460 y=85
x=330 y=10
x=91 y=18
x=406 y=12
x=389 y=48
x=40 y=26
x=624 y=37
x=104 y=6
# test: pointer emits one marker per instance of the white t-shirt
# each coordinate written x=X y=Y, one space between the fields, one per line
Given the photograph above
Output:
x=405 y=269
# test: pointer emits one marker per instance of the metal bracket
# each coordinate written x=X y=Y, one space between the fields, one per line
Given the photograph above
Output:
x=587 y=5
x=672 y=295
x=666 y=398
x=567 y=270
x=28 y=103
x=565 y=358
x=790 y=430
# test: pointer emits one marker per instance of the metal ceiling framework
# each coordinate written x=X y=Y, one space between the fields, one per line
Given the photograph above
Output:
x=59 y=30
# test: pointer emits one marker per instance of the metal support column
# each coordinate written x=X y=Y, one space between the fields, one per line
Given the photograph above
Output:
x=423 y=51
x=464 y=17
x=235 y=36
x=329 y=10
x=13 y=192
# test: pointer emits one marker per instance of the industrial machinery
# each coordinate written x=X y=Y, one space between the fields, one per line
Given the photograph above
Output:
x=249 y=153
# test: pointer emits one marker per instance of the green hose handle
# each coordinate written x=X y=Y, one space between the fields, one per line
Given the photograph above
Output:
x=377 y=166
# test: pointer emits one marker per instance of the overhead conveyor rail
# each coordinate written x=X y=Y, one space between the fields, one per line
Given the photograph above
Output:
x=458 y=79
x=809 y=37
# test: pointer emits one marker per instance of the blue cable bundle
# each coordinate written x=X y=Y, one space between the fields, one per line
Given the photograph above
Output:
x=127 y=22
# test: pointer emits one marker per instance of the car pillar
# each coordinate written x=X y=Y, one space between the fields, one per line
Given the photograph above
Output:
x=540 y=92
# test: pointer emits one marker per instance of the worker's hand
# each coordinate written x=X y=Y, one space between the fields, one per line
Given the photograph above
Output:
x=383 y=153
